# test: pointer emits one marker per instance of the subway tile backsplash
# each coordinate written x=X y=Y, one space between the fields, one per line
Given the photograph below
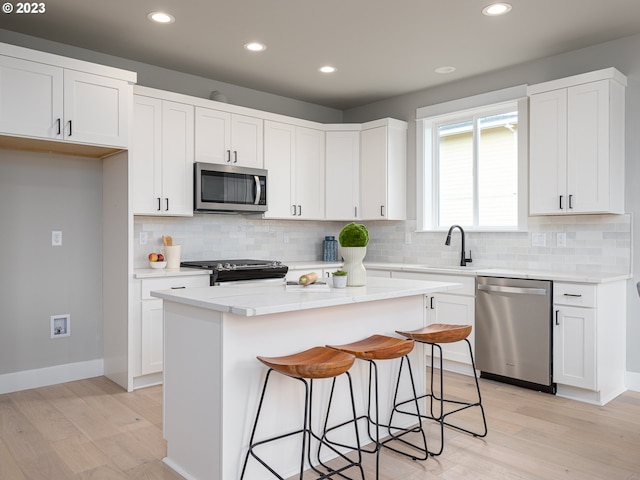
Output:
x=594 y=243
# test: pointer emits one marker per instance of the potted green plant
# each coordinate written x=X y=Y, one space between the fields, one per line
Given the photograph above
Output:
x=353 y=239
x=339 y=279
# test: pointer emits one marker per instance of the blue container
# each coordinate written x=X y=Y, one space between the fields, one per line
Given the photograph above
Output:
x=330 y=249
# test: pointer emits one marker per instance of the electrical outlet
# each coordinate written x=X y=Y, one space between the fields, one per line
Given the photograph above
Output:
x=561 y=239
x=56 y=238
x=285 y=237
x=143 y=238
x=407 y=238
x=60 y=325
x=539 y=239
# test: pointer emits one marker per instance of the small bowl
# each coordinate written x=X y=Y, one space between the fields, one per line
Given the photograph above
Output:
x=157 y=264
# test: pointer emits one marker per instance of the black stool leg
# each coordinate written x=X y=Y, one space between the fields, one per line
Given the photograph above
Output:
x=323 y=441
x=394 y=436
x=253 y=445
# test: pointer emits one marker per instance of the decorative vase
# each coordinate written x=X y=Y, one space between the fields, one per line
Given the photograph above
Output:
x=356 y=273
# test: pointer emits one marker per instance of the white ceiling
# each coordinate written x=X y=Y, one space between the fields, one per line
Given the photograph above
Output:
x=381 y=48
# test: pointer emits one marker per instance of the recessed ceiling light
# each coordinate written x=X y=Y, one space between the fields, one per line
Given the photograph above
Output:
x=496 y=9
x=327 y=69
x=161 y=17
x=255 y=47
x=447 y=69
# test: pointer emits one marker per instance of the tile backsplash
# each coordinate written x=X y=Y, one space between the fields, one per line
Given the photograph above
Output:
x=594 y=243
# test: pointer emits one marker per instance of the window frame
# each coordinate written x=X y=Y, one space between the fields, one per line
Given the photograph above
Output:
x=426 y=123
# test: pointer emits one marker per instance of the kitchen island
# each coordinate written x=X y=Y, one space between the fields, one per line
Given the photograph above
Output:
x=212 y=379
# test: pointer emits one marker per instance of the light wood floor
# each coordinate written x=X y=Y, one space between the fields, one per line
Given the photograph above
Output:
x=92 y=429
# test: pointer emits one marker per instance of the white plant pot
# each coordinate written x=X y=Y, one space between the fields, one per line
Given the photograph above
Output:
x=339 y=281
x=356 y=273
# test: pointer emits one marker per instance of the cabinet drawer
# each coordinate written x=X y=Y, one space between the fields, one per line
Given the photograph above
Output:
x=150 y=284
x=575 y=294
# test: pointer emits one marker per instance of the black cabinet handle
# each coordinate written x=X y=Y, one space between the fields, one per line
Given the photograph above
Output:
x=382 y=210
x=561 y=208
x=577 y=295
x=557 y=313
x=167 y=204
x=235 y=156
x=570 y=201
x=70 y=128
x=431 y=303
x=159 y=203
x=59 y=122
x=177 y=288
x=228 y=156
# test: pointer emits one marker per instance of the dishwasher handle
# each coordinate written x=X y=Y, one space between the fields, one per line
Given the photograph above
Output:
x=517 y=290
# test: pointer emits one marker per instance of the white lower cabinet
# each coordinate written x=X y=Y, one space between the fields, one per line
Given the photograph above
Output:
x=148 y=336
x=589 y=354
x=458 y=308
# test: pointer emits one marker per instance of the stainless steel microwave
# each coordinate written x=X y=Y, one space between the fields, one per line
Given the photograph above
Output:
x=229 y=188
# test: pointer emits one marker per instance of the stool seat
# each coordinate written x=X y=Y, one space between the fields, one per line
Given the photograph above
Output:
x=377 y=347
x=317 y=362
x=439 y=333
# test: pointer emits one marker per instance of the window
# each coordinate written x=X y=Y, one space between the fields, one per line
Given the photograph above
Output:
x=474 y=169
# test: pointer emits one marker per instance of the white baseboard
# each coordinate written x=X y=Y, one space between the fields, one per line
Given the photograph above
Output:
x=633 y=381
x=42 y=377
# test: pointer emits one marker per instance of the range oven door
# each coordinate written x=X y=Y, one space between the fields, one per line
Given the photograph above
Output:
x=220 y=188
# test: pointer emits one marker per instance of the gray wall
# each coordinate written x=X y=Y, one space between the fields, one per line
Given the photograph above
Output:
x=164 y=79
x=622 y=54
x=40 y=193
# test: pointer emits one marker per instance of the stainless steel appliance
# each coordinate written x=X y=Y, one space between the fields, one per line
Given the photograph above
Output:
x=229 y=188
x=514 y=331
x=242 y=270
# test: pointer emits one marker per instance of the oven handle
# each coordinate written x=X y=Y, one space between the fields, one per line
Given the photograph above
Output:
x=517 y=290
x=258 y=190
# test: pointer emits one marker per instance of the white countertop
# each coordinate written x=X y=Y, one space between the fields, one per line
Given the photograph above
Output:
x=164 y=272
x=263 y=298
x=407 y=267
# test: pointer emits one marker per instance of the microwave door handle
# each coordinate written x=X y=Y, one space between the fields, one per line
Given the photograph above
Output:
x=258 y=190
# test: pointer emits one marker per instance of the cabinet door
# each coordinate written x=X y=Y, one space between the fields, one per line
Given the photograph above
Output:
x=177 y=158
x=588 y=148
x=279 y=153
x=30 y=98
x=548 y=153
x=309 y=173
x=373 y=173
x=96 y=109
x=146 y=156
x=212 y=136
x=453 y=309
x=152 y=341
x=574 y=347
x=342 y=189
x=247 y=141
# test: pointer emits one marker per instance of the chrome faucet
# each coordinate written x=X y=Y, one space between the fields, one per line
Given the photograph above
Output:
x=463 y=258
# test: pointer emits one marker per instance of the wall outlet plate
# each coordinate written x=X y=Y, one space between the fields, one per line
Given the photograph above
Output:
x=538 y=239
x=561 y=239
x=56 y=238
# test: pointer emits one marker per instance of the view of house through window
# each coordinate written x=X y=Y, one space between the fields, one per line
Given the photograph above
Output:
x=476 y=180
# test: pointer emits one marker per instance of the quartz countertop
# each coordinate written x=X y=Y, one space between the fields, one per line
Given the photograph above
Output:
x=263 y=298
x=164 y=272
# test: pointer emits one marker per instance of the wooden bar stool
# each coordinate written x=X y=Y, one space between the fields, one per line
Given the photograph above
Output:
x=434 y=335
x=306 y=366
x=372 y=349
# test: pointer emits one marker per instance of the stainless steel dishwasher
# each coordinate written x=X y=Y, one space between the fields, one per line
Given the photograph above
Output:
x=514 y=331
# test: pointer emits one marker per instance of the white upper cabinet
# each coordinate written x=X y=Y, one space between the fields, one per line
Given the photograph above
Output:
x=383 y=159
x=342 y=181
x=279 y=160
x=309 y=174
x=228 y=138
x=294 y=159
x=162 y=157
x=48 y=101
x=30 y=98
x=577 y=128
